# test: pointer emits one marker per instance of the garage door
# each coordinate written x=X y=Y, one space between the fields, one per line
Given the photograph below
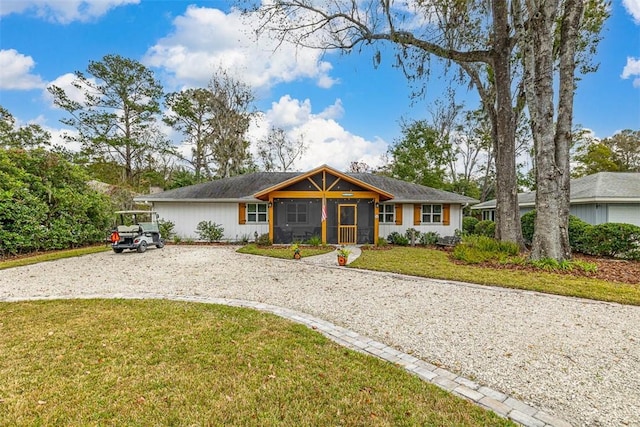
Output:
x=629 y=214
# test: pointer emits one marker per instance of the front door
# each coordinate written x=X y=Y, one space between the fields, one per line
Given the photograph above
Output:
x=347 y=224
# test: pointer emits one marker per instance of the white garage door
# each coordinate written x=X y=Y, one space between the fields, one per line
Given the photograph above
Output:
x=629 y=214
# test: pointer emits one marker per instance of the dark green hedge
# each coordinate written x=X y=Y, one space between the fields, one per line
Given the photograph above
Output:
x=469 y=224
x=611 y=239
x=485 y=228
x=45 y=203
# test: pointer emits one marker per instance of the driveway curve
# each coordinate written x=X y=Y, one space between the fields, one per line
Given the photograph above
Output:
x=576 y=359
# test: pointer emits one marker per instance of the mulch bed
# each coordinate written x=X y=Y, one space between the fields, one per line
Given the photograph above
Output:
x=610 y=270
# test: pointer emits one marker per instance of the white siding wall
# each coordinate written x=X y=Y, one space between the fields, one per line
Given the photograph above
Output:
x=455 y=223
x=626 y=213
x=186 y=217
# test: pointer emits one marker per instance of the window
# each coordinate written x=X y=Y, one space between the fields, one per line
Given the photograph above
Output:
x=431 y=214
x=489 y=215
x=297 y=213
x=256 y=212
x=386 y=214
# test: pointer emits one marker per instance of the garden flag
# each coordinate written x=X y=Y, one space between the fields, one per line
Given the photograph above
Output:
x=324 y=211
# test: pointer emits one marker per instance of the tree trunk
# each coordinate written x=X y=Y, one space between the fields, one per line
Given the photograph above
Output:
x=551 y=140
x=503 y=132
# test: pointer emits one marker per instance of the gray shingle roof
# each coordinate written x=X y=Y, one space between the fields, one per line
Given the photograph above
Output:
x=243 y=187
x=602 y=187
x=234 y=188
x=408 y=192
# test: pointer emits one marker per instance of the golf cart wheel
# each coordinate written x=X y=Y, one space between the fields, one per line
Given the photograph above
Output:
x=160 y=244
x=142 y=247
x=118 y=250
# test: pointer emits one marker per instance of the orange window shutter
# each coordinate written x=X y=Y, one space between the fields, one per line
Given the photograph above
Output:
x=446 y=213
x=242 y=213
x=398 y=211
x=417 y=214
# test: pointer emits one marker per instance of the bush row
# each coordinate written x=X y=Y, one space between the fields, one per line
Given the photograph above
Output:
x=611 y=239
x=424 y=239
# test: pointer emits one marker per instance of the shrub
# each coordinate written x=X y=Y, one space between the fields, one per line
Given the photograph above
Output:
x=412 y=232
x=429 y=238
x=551 y=264
x=166 y=228
x=476 y=249
x=382 y=242
x=314 y=241
x=485 y=228
x=469 y=224
x=577 y=228
x=613 y=240
x=396 y=238
x=209 y=231
x=264 y=240
x=527 y=222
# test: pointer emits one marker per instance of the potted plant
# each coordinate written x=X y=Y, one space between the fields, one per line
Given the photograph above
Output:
x=343 y=255
x=296 y=251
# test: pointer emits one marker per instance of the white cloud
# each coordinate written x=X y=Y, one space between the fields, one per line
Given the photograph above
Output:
x=632 y=69
x=205 y=39
x=15 y=71
x=327 y=141
x=63 y=11
x=65 y=82
x=633 y=8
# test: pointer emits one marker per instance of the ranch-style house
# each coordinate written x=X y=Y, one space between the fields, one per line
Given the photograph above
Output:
x=340 y=208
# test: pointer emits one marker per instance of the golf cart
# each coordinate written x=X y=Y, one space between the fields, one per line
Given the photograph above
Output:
x=135 y=230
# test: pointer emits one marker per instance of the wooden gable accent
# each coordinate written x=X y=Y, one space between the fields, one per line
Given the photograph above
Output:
x=322 y=179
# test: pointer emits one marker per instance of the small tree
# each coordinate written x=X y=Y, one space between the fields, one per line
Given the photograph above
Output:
x=278 y=151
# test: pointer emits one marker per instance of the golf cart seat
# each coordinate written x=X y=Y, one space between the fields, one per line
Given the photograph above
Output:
x=128 y=228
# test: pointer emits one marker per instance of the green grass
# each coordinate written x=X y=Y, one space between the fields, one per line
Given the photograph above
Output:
x=437 y=264
x=123 y=362
x=52 y=256
x=284 y=252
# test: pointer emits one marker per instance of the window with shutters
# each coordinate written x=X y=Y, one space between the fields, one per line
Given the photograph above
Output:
x=431 y=214
x=386 y=214
x=257 y=212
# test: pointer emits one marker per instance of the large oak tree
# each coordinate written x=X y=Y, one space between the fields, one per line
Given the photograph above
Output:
x=506 y=48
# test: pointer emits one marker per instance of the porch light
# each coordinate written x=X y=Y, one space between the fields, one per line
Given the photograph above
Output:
x=347 y=194
x=269 y=204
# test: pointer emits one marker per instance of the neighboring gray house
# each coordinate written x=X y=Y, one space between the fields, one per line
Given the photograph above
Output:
x=340 y=208
x=596 y=199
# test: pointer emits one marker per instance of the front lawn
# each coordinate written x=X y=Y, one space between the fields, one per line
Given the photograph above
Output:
x=437 y=264
x=119 y=362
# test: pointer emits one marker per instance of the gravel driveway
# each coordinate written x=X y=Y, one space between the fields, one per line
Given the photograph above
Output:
x=576 y=359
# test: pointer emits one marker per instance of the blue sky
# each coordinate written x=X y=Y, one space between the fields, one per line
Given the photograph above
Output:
x=344 y=108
